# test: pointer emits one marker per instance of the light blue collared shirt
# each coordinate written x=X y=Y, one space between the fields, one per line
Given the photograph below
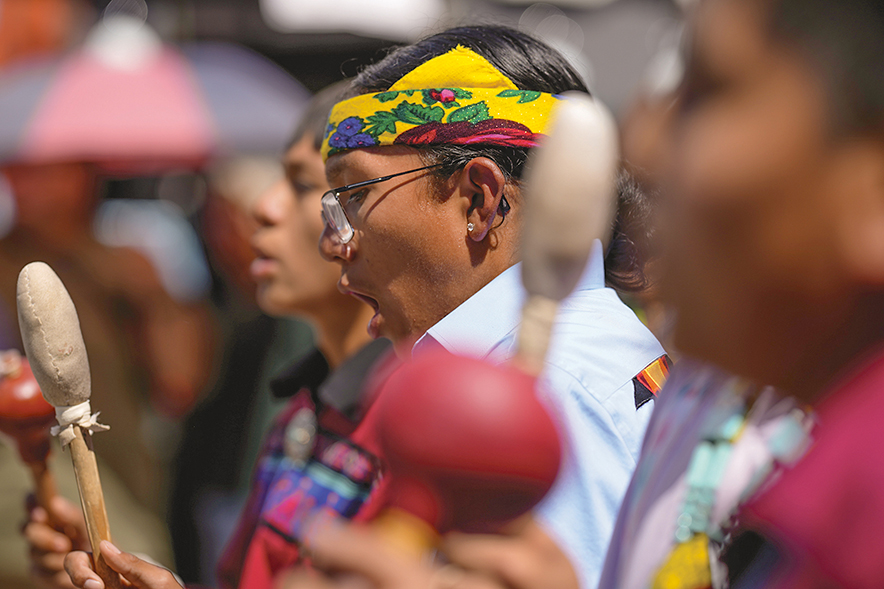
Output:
x=598 y=346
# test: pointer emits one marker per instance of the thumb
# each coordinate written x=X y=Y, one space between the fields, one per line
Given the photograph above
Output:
x=139 y=573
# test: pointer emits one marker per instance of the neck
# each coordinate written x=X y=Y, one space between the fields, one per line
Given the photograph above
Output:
x=341 y=329
x=850 y=340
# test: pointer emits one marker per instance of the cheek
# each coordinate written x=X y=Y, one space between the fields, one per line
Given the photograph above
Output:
x=414 y=248
x=744 y=225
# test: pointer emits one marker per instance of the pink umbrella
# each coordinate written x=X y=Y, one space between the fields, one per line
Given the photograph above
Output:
x=124 y=99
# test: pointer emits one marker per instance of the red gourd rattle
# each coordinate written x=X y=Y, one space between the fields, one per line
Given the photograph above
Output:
x=26 y=418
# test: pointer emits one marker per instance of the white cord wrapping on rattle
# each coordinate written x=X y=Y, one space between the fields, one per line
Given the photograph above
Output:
x=76 y=415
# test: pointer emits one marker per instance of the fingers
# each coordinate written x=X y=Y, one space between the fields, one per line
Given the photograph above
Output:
x=334 y=546
x=47 y=548
x=496 y=556
x=62 y=516
x=361 y=553
x=528 y=558
x=68 y=518
x=302 y=579
x=41 y=537
x=139 y=573
x=79 y=568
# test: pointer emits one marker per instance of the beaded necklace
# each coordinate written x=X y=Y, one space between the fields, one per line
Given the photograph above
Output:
x=689 y=565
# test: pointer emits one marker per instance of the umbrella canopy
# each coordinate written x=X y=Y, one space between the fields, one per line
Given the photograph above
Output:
x=126 y=99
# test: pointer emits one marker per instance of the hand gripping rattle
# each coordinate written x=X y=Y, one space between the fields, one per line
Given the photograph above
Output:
x=50 y=331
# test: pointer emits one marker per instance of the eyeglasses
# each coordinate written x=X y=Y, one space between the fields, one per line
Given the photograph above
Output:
x=335 y=217
x=333 y=211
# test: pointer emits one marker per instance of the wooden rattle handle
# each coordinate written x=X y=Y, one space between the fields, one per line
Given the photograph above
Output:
x=92 y=502
x=54 y=344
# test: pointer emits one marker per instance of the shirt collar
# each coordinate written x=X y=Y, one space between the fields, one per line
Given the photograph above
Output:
x=472 y=329
x=309 y=372
x=341 y=388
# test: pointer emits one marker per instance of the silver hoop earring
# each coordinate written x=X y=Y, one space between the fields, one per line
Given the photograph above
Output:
x=469 y=227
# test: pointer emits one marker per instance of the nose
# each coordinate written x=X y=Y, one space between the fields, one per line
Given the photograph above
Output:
x=269 y=208
x=332 y=249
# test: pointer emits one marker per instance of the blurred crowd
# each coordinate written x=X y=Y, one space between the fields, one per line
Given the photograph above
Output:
x=279 y=283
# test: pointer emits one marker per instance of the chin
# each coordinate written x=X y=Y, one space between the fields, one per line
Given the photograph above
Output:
x=272 y=304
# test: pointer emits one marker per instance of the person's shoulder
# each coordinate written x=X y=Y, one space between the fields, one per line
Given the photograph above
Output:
x=600 y=342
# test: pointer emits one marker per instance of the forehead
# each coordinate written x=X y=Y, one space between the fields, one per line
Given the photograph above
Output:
x=302 y=150
x=357 y=165
x=730 y=35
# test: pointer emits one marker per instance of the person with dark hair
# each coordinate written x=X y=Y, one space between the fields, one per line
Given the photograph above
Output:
x=429 y=150
x=772 y=225
x=312 y=457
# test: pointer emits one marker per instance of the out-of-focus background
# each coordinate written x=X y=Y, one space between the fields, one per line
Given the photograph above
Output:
x=134 y=136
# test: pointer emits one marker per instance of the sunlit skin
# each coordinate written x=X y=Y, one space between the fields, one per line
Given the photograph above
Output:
x=292 y=278
x=774 y=226
x=412 y=258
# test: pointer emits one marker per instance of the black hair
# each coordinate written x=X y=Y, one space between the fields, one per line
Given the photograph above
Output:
x=844 y=42
x=531 y=65
x=315 y=118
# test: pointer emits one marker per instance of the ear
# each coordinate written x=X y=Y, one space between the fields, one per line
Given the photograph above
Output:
x=481 y=185
x=862 y=229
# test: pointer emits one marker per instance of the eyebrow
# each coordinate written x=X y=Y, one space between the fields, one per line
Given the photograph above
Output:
x=334 y=168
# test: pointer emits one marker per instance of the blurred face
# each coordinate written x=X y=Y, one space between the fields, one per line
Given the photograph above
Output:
x=754 y=196
x=291 y=275
x=50 y=194
x=409 y=247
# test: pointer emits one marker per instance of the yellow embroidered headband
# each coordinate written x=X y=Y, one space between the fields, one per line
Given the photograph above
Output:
x=455 y=98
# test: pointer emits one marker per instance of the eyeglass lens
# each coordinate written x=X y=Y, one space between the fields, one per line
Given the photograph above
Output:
x=334 y=214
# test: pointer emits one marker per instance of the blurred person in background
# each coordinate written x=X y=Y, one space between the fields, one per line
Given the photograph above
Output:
x=313 y=443
x=222 y=437
x=45 y=213
x=149 y=354
x=773 y=217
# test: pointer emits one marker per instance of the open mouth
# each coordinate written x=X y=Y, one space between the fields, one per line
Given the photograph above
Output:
x=367 y=300
x=374 y=325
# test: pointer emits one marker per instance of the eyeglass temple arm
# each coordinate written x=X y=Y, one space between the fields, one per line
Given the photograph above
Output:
x=349 y=187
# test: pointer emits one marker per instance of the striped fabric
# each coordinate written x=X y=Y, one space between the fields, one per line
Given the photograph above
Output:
x=649 y=381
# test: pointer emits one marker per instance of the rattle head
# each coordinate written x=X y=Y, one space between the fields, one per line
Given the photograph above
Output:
x=24 y=415
x=469 y=446
x=570 y=196
x=50 y=331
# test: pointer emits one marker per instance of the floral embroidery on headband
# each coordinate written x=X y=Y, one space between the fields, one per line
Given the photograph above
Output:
x=458 y=97
x=436 y=121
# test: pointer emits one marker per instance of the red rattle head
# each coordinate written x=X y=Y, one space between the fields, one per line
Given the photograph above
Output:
x=24 y=415
x=468 y=444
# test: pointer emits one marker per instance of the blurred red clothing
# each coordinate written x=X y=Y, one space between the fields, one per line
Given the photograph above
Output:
x=825 y=516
